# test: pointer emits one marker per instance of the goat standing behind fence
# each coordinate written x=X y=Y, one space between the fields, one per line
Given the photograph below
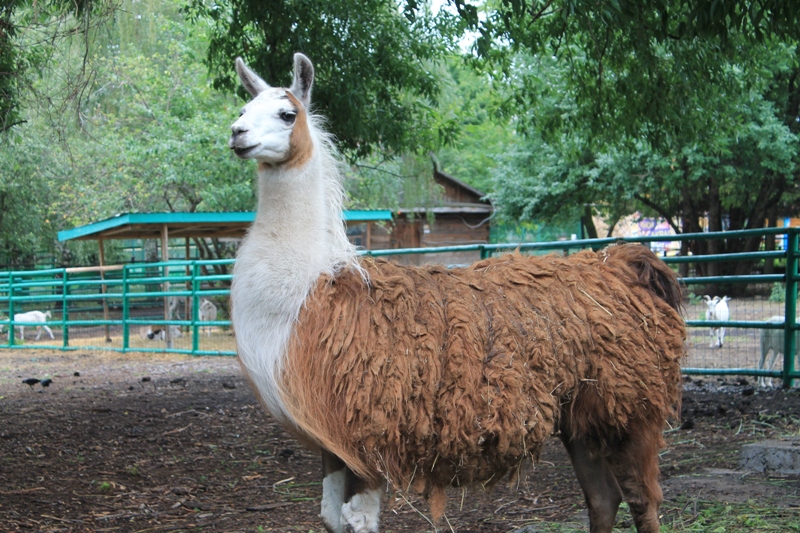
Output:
x=774 y=341
x=33 y=316
x=717 y=310
x=208 y=313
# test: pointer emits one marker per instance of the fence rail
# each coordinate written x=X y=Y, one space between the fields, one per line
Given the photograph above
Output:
x=140 y=295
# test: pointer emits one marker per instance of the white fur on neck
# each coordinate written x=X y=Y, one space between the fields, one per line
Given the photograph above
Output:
x=297 y=236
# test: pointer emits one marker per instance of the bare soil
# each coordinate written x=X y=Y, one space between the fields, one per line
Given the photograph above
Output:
x=135 y=443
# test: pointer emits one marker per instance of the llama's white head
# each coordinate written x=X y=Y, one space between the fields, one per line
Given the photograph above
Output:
x=273 y=127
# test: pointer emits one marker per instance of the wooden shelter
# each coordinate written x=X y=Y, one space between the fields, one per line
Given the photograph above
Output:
x=166 y=226
x=461 y=215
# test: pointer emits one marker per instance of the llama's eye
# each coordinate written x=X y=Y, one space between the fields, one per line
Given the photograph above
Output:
x=288 y=116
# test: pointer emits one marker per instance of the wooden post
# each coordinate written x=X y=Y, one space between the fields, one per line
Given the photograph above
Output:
x=103 y=288
x=165 y=258
x=368 y=244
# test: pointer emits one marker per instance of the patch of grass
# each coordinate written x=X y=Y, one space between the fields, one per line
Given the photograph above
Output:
x=713 y=517
x=699 y=516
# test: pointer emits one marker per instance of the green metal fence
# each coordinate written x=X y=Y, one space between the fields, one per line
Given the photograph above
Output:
x=132 y=300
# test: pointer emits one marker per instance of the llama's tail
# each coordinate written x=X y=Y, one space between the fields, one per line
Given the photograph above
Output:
x=651 y=272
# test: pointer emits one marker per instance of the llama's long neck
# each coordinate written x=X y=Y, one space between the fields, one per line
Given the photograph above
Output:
x=297 y=236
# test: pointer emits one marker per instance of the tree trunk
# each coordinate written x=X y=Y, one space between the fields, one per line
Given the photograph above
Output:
x=714 y=246
x=769 y=241
x=587 y=223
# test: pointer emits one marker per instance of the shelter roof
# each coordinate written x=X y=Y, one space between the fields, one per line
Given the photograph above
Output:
x=180 y=225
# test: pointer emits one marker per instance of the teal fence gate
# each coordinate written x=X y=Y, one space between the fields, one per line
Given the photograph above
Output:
x=142 y=307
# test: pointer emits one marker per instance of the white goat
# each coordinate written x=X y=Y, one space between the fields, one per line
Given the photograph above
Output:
x=772 y=340
x=717 y=310
x=208 y=313
x=33 y=316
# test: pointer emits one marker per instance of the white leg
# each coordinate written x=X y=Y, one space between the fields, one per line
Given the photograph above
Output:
x=721 y=336
x=332 y=501
x=762 y=381
x=360 y=514
x=772 y=363
x=49 y=332
x=333 y=487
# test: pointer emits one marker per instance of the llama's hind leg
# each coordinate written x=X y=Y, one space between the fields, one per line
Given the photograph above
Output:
x=333 y=481
x=634 y=463
x=362 y=505
x=599 y=485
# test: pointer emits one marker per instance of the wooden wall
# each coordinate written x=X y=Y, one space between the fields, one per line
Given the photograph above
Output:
x=447 y=230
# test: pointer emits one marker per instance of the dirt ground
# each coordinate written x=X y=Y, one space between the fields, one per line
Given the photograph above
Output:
x=135 y=443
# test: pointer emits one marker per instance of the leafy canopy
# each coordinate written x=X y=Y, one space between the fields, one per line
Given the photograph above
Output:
x=373 y=67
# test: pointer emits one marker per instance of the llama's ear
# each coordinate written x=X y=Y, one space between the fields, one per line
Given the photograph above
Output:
x=251 y=81
x=303 y=79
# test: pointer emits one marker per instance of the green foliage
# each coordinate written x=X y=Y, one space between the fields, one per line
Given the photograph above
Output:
x=483 y=133
x=659 y=54
x=778 y=293
x=726 y=155
x=162 y=129
x=30 y=33
x=27 y=185
x=374 y=67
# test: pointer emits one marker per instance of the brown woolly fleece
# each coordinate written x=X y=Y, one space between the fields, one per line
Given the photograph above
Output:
x=429 y=377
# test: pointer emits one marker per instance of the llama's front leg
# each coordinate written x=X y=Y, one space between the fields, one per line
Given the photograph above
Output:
x=362 y=505
x=333 y=481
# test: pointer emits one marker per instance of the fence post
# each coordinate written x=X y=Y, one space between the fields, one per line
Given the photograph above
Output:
x=195 y=308
x=11 y=309
x=125 y=310
x=791 y=307
x=65 y=310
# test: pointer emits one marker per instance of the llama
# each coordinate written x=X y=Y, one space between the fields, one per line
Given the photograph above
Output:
x=772 y=340
x=419 y=378
x=207 y=313
x=33 y=317
x=717 y=310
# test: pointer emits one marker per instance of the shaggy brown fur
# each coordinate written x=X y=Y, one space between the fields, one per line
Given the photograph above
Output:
x=430 y=377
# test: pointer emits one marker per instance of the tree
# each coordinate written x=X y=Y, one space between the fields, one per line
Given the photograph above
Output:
x=620 y=47
x=730 y=160
x=30 y=34
x=374 y=79
x=28 y=221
